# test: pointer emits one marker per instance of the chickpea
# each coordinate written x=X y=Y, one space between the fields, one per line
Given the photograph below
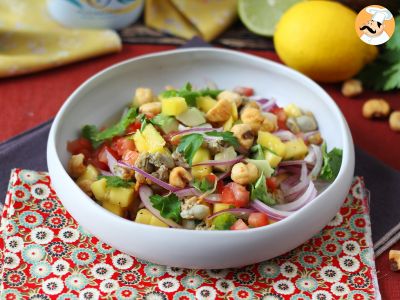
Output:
x=253 y=117
x=143 y=95
x=375 y=108
x=244 y=134
x=394 y=121
x=153 y=108
x=244 y=173
x=231 y=96
x=352 y=88
x=76 y=165
x=179 y=177
x=270 y=122
x=221 y=112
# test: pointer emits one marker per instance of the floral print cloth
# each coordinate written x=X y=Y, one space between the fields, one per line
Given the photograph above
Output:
x=47 y=255
x=31 y=41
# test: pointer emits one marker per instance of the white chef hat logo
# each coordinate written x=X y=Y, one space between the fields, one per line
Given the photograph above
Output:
x=372 y=24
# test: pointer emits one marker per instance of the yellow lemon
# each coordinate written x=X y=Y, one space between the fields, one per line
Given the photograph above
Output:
x=318 y=39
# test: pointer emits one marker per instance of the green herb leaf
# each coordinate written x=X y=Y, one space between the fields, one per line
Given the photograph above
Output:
x=190 y=95
x=169 y=206
x=189 y=145
x=224 y=221
x=259 y=191
x=204 y=184
x=257 y=152
x=227 y=136
x=97 y=137
x=384 y=73
x=332 y=162
x=116 y=181
x=143 y=121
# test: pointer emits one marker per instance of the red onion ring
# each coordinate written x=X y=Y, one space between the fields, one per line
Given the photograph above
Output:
x=269 y=211
x=194 y=130
x=145 y=192
x=213 y=198
x=149 y=176
x=111 y=162
x=318 y=162
x=307 y=196
x=187 y=192
x=269 y=105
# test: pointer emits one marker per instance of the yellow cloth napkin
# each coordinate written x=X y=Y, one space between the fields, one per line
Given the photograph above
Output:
x=31 y=41
x=187 y=18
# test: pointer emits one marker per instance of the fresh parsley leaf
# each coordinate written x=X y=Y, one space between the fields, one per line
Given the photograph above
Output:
x=143 y=121
x=97 y=137
x=332 y=162
x=190 y=95
x=169 y=206
x=116 y=181
x=259 y=191
x=257 y=152
x=227 y=136
x=224 y=221
x=203 y=185
x=384 y=73
x=189 y=145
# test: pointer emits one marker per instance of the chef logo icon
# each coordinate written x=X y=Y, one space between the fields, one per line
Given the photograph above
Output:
x=375 y=25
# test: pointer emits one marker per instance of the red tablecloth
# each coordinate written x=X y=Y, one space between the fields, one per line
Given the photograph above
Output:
x=30 y=100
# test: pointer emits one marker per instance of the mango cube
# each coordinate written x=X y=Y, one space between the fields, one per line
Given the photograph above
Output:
x=235 y=114
x=271 y=142
x=173 y=106
x=228 y=124
x=220 y=206
x=116 y=209
x=144 y=216
x=90 y=173
x=99 y=189
x=121 y=196
x=295 y=149
x=292 y=110
x=153 y=138
x=140 y=142
x=272 y=158
x=202 y=154
x=205 y=103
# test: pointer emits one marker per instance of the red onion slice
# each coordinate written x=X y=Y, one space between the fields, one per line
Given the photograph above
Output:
x=145 y=192
x=220 y=162
x=285 y=135
x=195 y=130
x=111 y=162
x=187 y=192
x=318 y=162
x=307 y=196
x=239 y=212
x=149 y=176
x=303 y=172
x=213 y=198
x=291 y=163
x=269 y=105
x=310 y=158
x=269 y=211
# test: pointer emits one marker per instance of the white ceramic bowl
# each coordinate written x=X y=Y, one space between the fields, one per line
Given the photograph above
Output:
x=106 y=93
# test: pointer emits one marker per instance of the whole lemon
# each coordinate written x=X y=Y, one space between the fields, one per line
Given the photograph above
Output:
x=318 y=38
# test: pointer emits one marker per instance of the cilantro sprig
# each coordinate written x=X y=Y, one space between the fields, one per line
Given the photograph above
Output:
x=97 y=137
x=116 y=181
x=189 y=94
x=332 y=162
x=204 y=184
x=169 y=206
x=189 y=145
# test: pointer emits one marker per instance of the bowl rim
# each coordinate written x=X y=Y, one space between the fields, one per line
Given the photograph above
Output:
x=348 y=147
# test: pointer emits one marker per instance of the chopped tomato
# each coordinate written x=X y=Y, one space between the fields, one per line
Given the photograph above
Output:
x=220 y=187
x=122 y=144
x=244 y=91
x=281 y=115
x=271 y=184
x=130 y=157
x=239 y=225
x=258 y=219
x=235 y=194
x=98 y=164
x=80 y=145
x=102 y=157
x=132 y=128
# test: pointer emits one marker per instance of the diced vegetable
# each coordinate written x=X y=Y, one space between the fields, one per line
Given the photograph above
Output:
x=235 y=194
x=221 y=206
x=99 y=189
x=154 y=140
x=272 y=158
x=258 y=219
x=191 y=117
x=228 y=154
x=295 y=149
x=228 y=124
x=166 y=123
x=116 y=209
x=90 y=173
x=292 y=110
x=140 y=142
x=205 y=103
x=121 y=196
x=262 y=166
x=235 y=114
x=272 y=142
x=224 y=221
x=173 y=106
x=239 y=225
x=145 y=217
x=202 y=154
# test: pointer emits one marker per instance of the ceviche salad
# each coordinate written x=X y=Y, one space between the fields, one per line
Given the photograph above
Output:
x=204 y=159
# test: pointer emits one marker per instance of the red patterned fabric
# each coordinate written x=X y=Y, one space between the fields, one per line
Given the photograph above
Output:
x=47 y=255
